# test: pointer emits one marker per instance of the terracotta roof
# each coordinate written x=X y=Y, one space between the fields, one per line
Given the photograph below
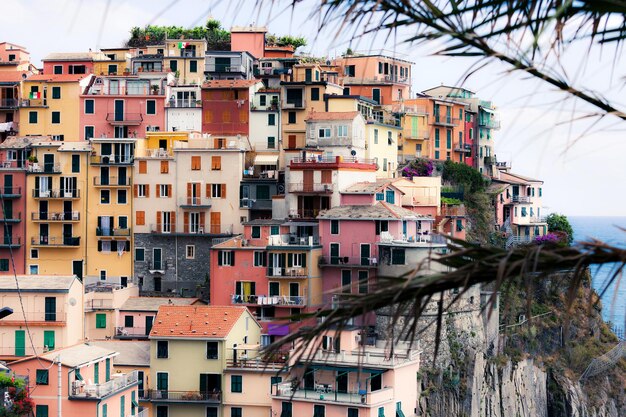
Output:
x=343 y=115
x=75 y=356
x=203 y=322
x=229 y=83
x=378 y=211
x=57 y=78
x=21 y=142
x=370 y=187
x=153 y=303
x=516 y=179
x=37 y=283
x=74 y=56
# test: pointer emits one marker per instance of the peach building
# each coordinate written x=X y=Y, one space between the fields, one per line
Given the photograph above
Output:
x=350 y=374
x=88 y=383
x=249 y=39
x=102 y=308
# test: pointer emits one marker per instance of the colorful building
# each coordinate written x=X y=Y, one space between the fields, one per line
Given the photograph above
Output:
x=102 y=308
x=71 y=62
x=226 y=106
x=116 y=61
x=53 y=308
x=190 y=348
x=185 y=58
x=183 y=109
x=15 y=66
x=413 y=141
x=89 y=383
x=15 y=58
x=229 y=65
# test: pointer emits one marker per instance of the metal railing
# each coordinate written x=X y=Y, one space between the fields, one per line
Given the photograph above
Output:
x=324 y=393
x=111 y=159
x=13 y=164
x=271 y=300
x=130 y=118
x=489 y=123
x=9 y=102
x=184 y=103
x=293 y=240
x=49 y=316
x=122 y=332
x=98 y=304
x=157 y=395
x=304 y=214
x=293 y=104
x=119 y=382
x=420 y=134
x=224 y=68
x=445 y=120
x=348 y=261
x=194 y=201
x=112 y=231
x=520 y=199
x=6 y=241
x=10 y=217
x=290 y=272
x=331 y=160
x=112 y=181
x=67 y=216
x=463 y=148
x=46 y=168
x=56 y=193
x=299 y=187
x=46 y=240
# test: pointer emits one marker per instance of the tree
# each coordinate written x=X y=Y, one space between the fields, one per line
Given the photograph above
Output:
x=559 y=223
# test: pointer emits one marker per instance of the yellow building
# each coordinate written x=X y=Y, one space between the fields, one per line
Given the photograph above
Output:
x=413 y=140
x=110 y=202
x=57 y=206
x=381 y=145
x=117 y=62
x=190 y=348
x=50 y=105
x=162 y=140
x=186 y=58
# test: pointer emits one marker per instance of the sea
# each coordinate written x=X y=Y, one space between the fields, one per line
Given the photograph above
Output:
x=606 y=229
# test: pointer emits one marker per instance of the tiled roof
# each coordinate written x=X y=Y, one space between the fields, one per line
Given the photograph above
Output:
x=57 y=78
x=378 y=211
x=516 y=178
x=343 y=115
x=203 y=322
x=74 y=56
x=20 y=142
x=264 y=222
x=75 y=356
x=131 y=353
x=41 y=283
x=153 y=303
x=369 y=187
x=229 y=83
x=83 y=146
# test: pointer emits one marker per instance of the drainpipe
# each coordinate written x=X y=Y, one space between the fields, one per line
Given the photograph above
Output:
x=59 y=402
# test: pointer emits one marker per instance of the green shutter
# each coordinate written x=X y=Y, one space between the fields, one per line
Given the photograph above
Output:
x=48 y=339
x=41 y=411
x=173 y=65
x=108 y=369
x=56 y=92
x=20 y=343
x=89 y=106
x=101 y=321
x=104 y=410
x=123 y=406
x=32 y=117
x=41 y=377
x=381 y=412
x=133 y=403
x=96 y=373
x=193 y=66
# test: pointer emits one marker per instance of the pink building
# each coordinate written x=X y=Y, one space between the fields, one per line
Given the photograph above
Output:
x=248 y=39
x=90 y=386
x=72 y=62
x=352 y=375
x=123 y=106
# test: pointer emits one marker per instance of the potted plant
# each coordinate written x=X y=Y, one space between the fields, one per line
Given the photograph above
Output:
x=33 y=159
x=155 y=89
x=126 y=71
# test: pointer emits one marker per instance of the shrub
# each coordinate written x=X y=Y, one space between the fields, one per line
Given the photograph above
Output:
x=560 y=223
x=418 y=168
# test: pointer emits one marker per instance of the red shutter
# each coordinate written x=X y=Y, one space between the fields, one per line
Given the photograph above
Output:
x=158 y=221
x=186 y=219
x=173 y=220
x=223 y=190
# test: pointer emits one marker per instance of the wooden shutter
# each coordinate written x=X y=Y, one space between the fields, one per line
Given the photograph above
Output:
x=158 y=221
x=169 y=190
x=186 y=220
x=202 y=220
x=188 y=192
x=140 y=218
x=158 y=190
x=216 y=220
x=327 y=176
x=216 y=162
x=223 y=190
x=208 y=191
x=164 y=167
x=195 y=162
x=173 y=221
x=143 y=167
x=147 y=186
x=135 y=187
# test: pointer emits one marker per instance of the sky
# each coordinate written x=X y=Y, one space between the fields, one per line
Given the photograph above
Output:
x=582 y=164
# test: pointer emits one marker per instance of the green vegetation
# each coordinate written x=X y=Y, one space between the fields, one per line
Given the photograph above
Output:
x=560 y=224
x=217 y=37
x=294 y=41
x=462 y=174
x=451 y=201
x=20 y=403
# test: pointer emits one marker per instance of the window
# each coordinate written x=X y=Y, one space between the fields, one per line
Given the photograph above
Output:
x=540 y=191
x=58 y=69
x=196 y=162
x=397 y=256
x=375 y=136
x=436 y=154
x=56 y=117
x=346 y=280
x=193 y=66
x=319 y=410
x=33 y=269
x=165 y=167
x=380 y=196
x=141 y=190
x=384 y=164
x=75 y=163
x=162 y=411
x=32 y=117
x=226 y=258
x=235 y=412
x=353 y=412
x=56 y=93
x=101 y=321
x=436 y=138
x=4 y=264
x=324 y=132
x=151 y=107
x=162 y=349
x=163 y=190
x=389 y=138
x=41 y=411
x=260 y=259
x=271 y=119
x=89 y=132
x=315 y=94
x=448 y=138
x=173 y=65
x=291 y=117
x=390 y=196
x=262 y=192
x=262 y=100
x=105 y=196
x=236 y=383
x=334 y=227
x=41 y=377
x=271 y=142
x=103 y=275
x=342 y=131
x=211 y=412
x=34 y=254
x=190 y=251
x=216 y=163
x=140 y=254
x=129 y=321
x=381 y=411
x=363 y=278
x=256 y=232
x=143 y=167
x=211 y=350
x=121 y=197
x=218 y=190
x=140 y=218
x=90 y=106
x=274 y=230
x=376 y=382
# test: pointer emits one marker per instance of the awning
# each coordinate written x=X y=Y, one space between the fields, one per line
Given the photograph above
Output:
x=487 y=110
x=266 y=160
x=278 y=330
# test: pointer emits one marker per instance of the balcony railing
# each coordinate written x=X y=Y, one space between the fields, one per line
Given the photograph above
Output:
x=112 y=232
x=291 y=272
x=325 y=394
x=98 y=304
x=520 y=199
x=366 y=262
x=463 y=148
x=46 y=168
x=10 y=192
x=445 y=120
x=157 y=395
x=14 y=217
x=293 y=104
x=489 y=123
x=62 y=194
x=535 y=219
x=293 y=240
x=67 y=216
x=10 y=241
x=124 y=119
x=184 y=103
x=8 y=103
x=118 y=383
x=130 y=332
x=55 y=241
x=419 y=134
x=332 y=160
x=299 y=187
x=194 y=202
x=112 y=181
x=225 y=68
x=49 y=316
x=111 y=159
x=304 y=214
x=13 y=164
x=271 y=300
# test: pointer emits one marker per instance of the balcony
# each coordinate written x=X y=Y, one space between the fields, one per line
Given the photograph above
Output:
x=36 y=316
x=304 y=214
x=463 y=148
x=272 y=300
x=298 y=187
x=112 y=232
x=255 y=204
x=185 y=397
x=350 y=261
x=453 y=211
x=112 y=181
x=225 y=68
x=13 y=164
x=194 y=202
x=119 y=382
x=131 y=333
x=55 y=241
x=182 y=104
x=291 y=272
x=522 y=199
x=10 y=192
x=99 y=304
x=325 y=394
x=489 y=123
x=12 y=242
x=126 y=119
x=159 y=154
x=111 y=159
x=293 y=239
x=67 y=216
x=8 y=103
x=418 y=135
x=445 y=120
x=323 y=162
x=293 y=104
x=10 y=217
x=46 y=168
x=56 y=194
x=39 y=102
x=489 y=160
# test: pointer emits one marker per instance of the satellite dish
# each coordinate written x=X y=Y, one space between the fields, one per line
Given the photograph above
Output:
x=72 y=301
x=353 y=152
